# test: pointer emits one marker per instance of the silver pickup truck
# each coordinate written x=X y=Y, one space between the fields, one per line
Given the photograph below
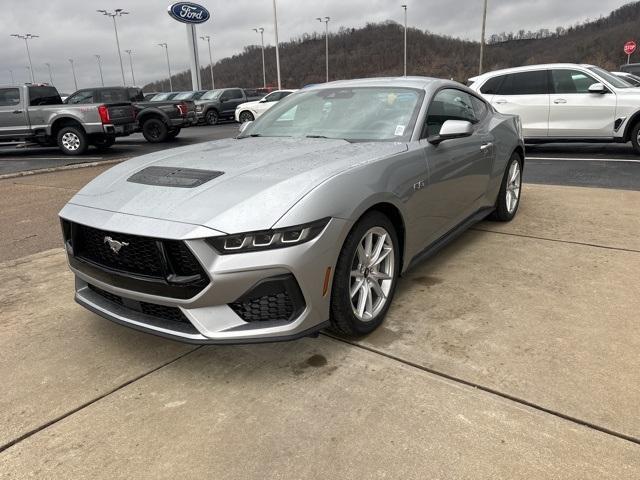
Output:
x=34 y=115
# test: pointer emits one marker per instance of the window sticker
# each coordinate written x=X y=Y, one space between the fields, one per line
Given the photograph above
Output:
x=399 y=131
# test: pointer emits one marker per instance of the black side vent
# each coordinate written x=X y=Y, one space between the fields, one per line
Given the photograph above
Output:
x=173 y=177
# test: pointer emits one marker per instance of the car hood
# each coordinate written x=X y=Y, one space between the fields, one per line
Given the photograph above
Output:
x=248 y=104
x=260 y=180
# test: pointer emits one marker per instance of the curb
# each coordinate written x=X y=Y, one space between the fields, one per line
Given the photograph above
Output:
x=74 y=166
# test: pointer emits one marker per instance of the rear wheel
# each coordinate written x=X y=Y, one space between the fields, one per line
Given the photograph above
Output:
x=72 y=140
x=154 y=130
x=212 y=117
x=509 y=196
x=246 y=117
x=365 y=277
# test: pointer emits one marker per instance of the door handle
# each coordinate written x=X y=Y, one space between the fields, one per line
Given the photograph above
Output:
x=17 y=111
x=485 y=148
x=559 y=100
x=501 y=102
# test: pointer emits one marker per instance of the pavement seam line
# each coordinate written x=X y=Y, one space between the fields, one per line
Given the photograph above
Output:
x=498 y=393
x=572 y=242
x=50 y=423
x=73 y=166
x=37 y=185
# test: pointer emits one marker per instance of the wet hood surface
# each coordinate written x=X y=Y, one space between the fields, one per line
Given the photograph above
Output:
x=261 y=179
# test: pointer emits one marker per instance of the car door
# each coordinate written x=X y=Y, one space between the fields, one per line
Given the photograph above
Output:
x=230 y=99
x=458 y=169
x=525 y=94
x=13 y=117
x=577 y=113
x=267 y=102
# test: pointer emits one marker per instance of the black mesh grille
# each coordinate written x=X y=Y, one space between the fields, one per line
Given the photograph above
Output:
x=182 y=260
x=158 y=311
x=138 y=255
x=266 y=308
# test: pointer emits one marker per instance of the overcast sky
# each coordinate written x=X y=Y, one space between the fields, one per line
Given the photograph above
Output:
x=73 y=29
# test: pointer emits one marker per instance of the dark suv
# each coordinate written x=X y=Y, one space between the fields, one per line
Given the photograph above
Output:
x=158 y=121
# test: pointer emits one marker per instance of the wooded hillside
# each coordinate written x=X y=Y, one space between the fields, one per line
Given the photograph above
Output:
x=376 y=50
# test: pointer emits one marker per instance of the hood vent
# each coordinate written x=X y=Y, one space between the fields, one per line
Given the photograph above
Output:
x=173 y=177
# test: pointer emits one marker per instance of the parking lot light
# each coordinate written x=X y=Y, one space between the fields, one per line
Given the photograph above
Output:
x=326 y=43
x=26 y=37
x=275 y=29
x=13 y=80
x=166 y=51
x=50 y=72
x=482 y=40
x=73 y=70
x=208 y=39
x=100 y=69
x=260 y=30
x=405 y=39
x=133 y=77
x=118 y=12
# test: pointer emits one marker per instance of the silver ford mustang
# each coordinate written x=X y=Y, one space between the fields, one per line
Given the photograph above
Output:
x=305 y=220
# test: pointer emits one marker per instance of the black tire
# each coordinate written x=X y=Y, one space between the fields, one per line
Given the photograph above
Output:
x=342 y=316
x=502 y=212
x=173 y=133
x=103 y=142
x=246 y=116
x=635 y=141
x=212 y=117
x=72 y=140
x=154 y=130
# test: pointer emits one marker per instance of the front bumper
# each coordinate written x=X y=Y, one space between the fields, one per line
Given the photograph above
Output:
x=212 y=316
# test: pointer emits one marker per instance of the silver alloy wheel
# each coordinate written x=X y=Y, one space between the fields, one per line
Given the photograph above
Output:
x=372 y=271
x=71 y=141
x=514 y=181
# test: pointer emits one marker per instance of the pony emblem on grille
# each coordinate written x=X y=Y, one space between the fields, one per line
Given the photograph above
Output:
x=114 y=245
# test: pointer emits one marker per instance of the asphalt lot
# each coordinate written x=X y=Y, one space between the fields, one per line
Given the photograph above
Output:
x=511 y=354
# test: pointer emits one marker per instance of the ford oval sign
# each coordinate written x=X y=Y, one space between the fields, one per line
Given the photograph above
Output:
x=187 y=12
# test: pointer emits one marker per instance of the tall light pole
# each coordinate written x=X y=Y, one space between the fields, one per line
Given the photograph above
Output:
x=50 y=72
x=166 y=50
x=73 y=70
x=13 y=80
x=133 y=77
x=326 y=42
x=100 y=68
x=275 y=28
x=118 y=12
x=484 y=25
x=208 y=39
x=405 y=39
x=26 y=37
x=260 y=30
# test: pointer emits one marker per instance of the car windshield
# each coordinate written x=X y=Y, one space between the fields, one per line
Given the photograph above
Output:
x=183 y=96
x=160 y=96
x=356 y=114
x=211 y=94
x=612 y=79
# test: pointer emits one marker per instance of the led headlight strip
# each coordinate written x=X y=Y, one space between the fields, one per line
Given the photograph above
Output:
x=268 y=239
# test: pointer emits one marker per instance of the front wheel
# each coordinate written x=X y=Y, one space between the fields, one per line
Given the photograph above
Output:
x=212 y=117
x=510 y=190
x=154 y=130
x=635 y=137
x=366 y=276
x=72 y=140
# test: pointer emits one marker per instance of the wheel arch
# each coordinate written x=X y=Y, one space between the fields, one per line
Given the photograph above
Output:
x=62 y=122
x=635 y=118
x=149 y=115
x=394 y=215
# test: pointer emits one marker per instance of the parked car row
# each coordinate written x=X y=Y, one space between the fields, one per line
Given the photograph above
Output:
x=566 y=102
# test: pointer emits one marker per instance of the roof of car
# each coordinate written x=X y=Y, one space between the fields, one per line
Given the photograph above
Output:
x=526 y=68
x=409 y=82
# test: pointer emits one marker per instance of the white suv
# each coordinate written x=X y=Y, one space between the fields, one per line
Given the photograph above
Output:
x=565 y=102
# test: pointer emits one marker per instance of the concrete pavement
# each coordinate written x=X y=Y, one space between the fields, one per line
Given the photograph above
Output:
x=539 y=314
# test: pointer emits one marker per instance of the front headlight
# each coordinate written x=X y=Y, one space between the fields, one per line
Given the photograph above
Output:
x=268 y=239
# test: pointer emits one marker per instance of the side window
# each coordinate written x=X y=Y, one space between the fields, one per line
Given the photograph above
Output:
x=284 y=94
x=44 y=96
x=235 y=94
x=479 y=107
x=525 y=83
x=492 y=85
x=83 y=96
x=135 y=95
x=448 y=104
x=9 y=97
x=571 y=81
x=273 y=97
x=114 y=96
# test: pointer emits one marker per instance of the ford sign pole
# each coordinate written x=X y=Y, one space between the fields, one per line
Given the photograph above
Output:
x=191 y=14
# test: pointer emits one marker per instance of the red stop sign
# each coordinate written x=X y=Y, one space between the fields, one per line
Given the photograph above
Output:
x=630 y=47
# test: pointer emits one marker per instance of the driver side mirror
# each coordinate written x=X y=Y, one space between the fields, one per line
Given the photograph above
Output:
x=598 y=88
x=452 y=129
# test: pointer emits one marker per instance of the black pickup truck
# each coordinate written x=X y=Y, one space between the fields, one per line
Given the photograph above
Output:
x=158 y=121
